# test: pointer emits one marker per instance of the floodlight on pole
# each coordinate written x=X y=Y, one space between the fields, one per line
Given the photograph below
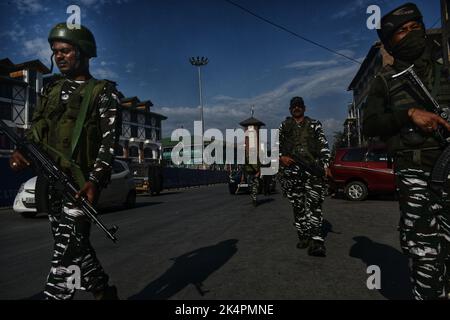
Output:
x=200 y=62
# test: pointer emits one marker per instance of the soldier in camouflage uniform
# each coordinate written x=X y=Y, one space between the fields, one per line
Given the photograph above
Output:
x=395 y=112
x=303 y=137
x=252 y=172
x=75 y=123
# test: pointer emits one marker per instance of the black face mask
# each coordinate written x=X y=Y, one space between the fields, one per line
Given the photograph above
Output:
x=411 y=46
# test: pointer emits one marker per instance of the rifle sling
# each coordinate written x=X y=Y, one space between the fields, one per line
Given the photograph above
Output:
x=82 y=115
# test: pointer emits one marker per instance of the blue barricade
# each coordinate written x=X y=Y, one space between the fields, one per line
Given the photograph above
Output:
x=182 y=177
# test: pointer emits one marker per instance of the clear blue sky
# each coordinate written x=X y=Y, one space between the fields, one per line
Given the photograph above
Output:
x=145 y=45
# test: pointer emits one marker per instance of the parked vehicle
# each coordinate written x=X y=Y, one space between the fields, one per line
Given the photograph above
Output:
x=148 y=177
x=362 y=171
x=120 y=191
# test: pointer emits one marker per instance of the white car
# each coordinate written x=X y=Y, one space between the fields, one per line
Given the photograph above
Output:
x=120 y=191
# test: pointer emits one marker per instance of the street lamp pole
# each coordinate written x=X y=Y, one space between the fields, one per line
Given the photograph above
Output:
x=199 y=62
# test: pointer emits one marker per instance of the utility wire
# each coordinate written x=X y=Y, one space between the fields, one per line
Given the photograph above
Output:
x=438 y=19
x=289 y=31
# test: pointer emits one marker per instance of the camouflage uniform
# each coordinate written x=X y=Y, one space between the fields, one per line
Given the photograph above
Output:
x=87 y=157
x=424 y=224
x=253 y=181
x=424 y=233
x=305 y=191
x=70 y=227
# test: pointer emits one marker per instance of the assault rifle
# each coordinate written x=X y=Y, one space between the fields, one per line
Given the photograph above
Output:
x=314 y=169
x=440 y=171
x=44 y=165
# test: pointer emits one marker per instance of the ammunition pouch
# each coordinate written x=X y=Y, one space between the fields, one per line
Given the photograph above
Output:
x=415 y=156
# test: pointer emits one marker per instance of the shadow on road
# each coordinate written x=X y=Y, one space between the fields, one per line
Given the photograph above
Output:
x=374 y=197
x=395 y=283
x=136 y=206
x=37 y=296
x=41 y=215
x=265 y=200
x=327 y=228
x=190 y=268
x=146 y=204
x=163 y=193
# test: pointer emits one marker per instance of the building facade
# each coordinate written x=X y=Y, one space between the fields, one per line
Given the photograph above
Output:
x=140 y=139
x=375 y=60
x=20 y=86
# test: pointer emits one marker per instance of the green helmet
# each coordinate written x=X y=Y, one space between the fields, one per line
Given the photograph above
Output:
x=82 y=38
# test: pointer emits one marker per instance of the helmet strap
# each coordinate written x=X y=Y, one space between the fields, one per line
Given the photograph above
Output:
x=51 y=63
x=78 y=56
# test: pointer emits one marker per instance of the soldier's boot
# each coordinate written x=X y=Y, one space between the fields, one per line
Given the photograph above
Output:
x=255 y=203
x=317 y=248
x=303 y=241
x=109 y=293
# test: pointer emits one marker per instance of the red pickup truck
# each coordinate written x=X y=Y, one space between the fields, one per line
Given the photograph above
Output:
x=360 y=171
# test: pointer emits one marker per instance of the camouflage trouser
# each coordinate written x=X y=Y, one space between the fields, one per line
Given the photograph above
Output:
x=254 y=186
x=306 y=194
x=424 y=234
x=72 y=250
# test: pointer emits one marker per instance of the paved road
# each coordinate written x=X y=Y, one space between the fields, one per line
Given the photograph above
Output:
x=203 y=243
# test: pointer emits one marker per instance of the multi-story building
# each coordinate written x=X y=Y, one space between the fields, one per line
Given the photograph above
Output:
x=375 y=60
x=352 y=136
x=20 y=85
x=140 y=139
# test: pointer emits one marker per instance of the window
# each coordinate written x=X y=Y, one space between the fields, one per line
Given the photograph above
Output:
x=126 y=131
x=148 y=153
x=354 y=155
x=126 y=116
x=141 y=118
x=141 y=133
x=134 y=151
x=377 y=155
